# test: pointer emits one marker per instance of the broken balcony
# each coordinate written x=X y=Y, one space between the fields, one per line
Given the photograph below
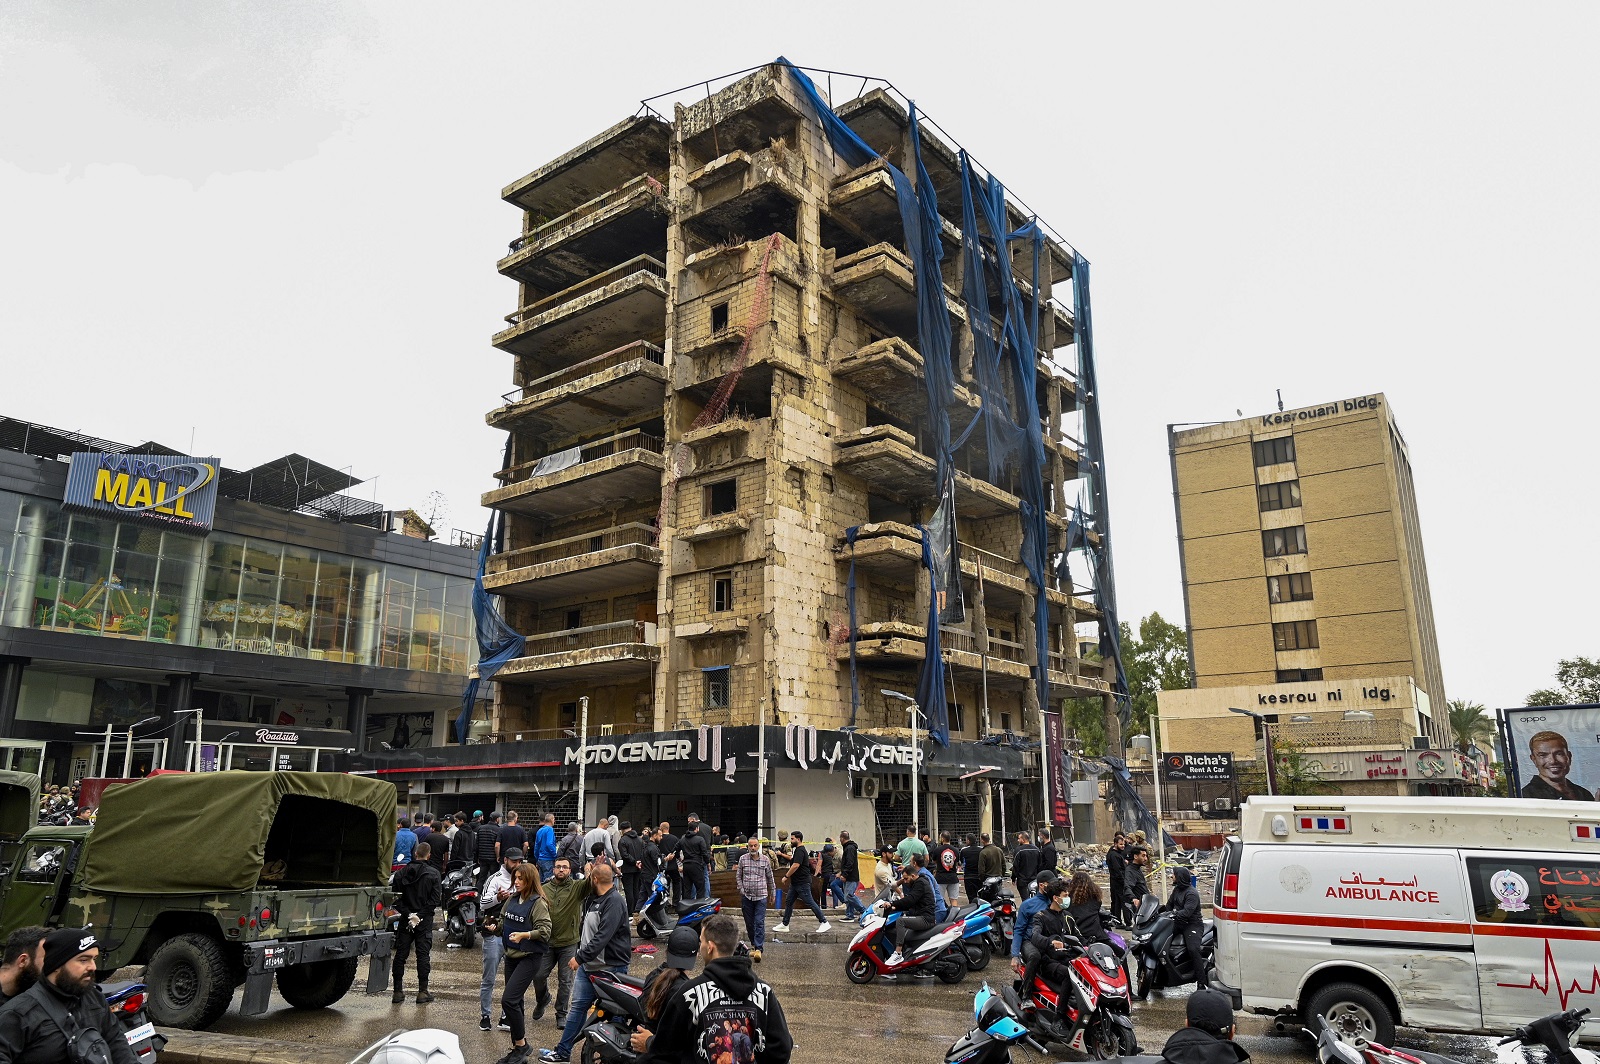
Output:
x=1003 y=663
x=634 y=146
x=617 y=471
x=890 y=644
x=583 y=565
x=621 y=386
x=596 y=236
x=747 y=115
x=886 y=458
x=615 y=308
x=879 y=284
x=894 y=551
x=744 y=196
x=597 y=654
x=891 y=371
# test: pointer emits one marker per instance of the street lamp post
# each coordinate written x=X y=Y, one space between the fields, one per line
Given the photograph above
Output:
x=127 y=749
x=1266 y=738
x=916 y=759
x=583 y=741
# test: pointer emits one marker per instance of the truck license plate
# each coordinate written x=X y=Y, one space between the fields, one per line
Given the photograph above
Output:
x=274 y=957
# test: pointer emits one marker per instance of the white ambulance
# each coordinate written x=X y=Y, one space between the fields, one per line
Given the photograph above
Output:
x=1453 y=914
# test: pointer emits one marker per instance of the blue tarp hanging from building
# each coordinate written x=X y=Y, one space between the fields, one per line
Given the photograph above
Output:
x=498 y=642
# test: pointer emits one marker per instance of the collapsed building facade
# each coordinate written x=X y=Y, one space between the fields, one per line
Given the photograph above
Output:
x=724 y=457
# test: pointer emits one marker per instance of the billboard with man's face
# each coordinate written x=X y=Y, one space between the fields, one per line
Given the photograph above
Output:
x=1554 y=751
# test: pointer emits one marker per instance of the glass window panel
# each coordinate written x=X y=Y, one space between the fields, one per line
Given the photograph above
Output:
x=219 y=610
x=334 y=603
x=175 y=612
x=130 y=592
x=367 y=588
x=296 y=602
x=399 y=611
x=86 y=574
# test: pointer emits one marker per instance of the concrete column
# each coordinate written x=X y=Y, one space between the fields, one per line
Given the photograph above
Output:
x=25 y=568
x=356 y=716
x=10 y=693
x=985 y=807
x=180 y=697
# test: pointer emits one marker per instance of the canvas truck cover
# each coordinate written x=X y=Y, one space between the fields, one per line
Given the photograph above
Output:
x=19 y=803
x=214 y=832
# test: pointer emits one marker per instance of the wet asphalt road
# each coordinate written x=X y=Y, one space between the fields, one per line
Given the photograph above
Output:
x=908 y=1022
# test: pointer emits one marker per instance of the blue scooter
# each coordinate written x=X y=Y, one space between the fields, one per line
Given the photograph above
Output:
x=998 y=1029
x=653 y=917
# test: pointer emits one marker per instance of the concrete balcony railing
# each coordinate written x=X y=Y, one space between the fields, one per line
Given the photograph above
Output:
x=615 y=652
x=618 y=470
x=592 y=237
x=626 y=382
x=621 y=556
x=603 y=312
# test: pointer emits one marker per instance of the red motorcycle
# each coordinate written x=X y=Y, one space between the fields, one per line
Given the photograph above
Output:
x=1090 y=1013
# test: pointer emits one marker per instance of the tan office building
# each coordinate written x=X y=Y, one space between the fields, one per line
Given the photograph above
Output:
x=1303 y=568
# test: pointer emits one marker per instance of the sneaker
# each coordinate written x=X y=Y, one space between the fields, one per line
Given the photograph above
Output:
x=782 y=929
x=484 y=1024
x=517 y=1055
x=424 y=998
x=824 y=927
x=755 y=955
x=895 y=959
x=539 y=1007
x=552 y=1056
x=504 y=1023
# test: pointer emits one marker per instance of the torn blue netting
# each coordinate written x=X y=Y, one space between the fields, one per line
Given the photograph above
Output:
x=930 y=679
x=498 y=642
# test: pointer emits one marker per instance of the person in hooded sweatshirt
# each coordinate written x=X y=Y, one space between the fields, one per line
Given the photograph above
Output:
x=726 y=1010
x=1185 y=907
x=29 y=1033
x=1209 y=1037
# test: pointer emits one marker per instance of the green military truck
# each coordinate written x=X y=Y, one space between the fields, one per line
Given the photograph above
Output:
x=214 y=881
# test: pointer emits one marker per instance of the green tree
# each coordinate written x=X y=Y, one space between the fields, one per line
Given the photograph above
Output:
x=1469 y=723
x=1577 y=682
x=1157 y=660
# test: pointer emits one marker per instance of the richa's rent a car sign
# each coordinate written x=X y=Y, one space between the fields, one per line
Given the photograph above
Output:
x=1180 y=767
x=1554 y=751
x=166 y=490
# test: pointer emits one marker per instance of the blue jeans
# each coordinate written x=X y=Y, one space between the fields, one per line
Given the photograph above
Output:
x=547 y=869
x=494 y=948
x=755 y=920
x=801 y=891
x=705 y=883
x=578 y=1011
x=852 y=905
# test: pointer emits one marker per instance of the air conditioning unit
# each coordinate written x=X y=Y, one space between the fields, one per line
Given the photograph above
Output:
x=1221 y=804
x=867 y=787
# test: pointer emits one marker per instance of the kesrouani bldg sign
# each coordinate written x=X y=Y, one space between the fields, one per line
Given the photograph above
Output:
x=171 y=491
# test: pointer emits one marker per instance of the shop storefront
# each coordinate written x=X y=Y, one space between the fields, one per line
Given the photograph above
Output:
x=139 y=592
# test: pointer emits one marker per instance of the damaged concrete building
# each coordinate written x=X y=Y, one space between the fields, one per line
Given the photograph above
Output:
x=719 y=451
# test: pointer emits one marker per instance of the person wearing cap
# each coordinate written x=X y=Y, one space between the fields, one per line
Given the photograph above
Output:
x=1208 y=1039
x=683 y=948
x=496 y=890
x=726 y=993
x=1031 y=907
x=65 y=995
x=1184 y=904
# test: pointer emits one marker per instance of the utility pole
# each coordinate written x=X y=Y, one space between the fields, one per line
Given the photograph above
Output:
x=916 y=760
x=583 y=737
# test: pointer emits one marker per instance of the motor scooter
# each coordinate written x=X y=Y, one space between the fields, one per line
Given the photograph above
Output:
x=976 y=922
x=617 y=1012
x=1004 y=922
x=651 y=915
x=692 y=913
x=998 y=1029
x=1089 y=1013
x=1156 y=957
x=461 y=908
x=937 y=950
x=1557 y=1033
x=126 y=1000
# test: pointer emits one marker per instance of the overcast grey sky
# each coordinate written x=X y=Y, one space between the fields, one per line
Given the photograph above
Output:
x=274 y=225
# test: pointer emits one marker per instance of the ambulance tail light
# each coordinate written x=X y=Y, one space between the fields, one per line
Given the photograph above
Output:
x=1230 y=892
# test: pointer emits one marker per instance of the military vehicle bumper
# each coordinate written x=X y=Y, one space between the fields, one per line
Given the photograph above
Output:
x=265 y=959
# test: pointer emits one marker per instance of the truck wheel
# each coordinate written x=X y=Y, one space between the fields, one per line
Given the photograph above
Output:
x=189 y=983
x=317 y=985
x=1354 y=1013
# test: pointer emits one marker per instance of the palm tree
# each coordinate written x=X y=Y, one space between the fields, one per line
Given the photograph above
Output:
x=1469 y=723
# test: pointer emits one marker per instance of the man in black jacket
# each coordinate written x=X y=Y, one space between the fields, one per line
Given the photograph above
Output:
x=1025 y=862
x=971 y=876
x=915 y=902
x=1047 y=852
x=417 y=885
x=21 y=961
x=606 y=945
x=668 y=845
x=487 y=849
x=464 y=844
x=630 y=862
x=1117 y=872
x=1185 y=907
x=1209 y=1037
x=31 y=1023
x=1137 y=885
x=725 y=1013
x=850 y=874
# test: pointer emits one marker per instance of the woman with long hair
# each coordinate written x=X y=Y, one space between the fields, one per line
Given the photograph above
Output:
x=525 y=928
x=1083 y=908
x=682 y=948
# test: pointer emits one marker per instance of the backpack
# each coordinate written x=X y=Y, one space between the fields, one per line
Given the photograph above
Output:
x=85 y=1045
x=729 y=1031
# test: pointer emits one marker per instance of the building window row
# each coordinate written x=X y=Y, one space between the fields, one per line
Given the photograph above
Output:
x=1294 y=635
x=1298 y=675
x=1293 y=587
x=1275 y=451
x=1280 y=542
x=1280 y=496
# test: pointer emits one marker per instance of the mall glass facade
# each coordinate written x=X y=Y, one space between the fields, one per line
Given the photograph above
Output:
x=73 y=572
